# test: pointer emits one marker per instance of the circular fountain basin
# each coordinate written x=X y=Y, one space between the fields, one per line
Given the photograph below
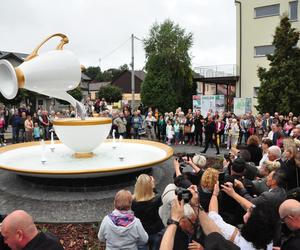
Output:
x=110 y=158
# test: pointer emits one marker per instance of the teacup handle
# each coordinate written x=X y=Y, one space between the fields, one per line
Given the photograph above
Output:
x=64 y=40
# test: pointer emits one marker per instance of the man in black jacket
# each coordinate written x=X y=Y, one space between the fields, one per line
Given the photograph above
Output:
x=210 y=134
x=289 y=212
x=198 y=122
x=19 y=232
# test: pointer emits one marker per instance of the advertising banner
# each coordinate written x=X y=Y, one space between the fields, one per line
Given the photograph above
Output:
x=208 y=103
x=196 y=103
x=242 y=105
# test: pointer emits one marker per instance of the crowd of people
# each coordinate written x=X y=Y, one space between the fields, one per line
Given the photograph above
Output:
x=239 y=205
x=251 y=201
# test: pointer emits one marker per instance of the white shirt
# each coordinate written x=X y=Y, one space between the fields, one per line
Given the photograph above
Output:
x=227 y=230
x=263 y=159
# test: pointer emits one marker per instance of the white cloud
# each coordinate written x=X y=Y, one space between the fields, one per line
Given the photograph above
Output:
x=96 y=27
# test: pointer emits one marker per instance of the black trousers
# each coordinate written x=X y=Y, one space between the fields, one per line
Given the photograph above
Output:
x=209 y=139
x=198 y=136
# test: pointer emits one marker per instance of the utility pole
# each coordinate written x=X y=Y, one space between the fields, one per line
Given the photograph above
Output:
x=132 y=73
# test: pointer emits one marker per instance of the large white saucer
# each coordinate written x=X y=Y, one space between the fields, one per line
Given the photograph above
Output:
x=110 y=159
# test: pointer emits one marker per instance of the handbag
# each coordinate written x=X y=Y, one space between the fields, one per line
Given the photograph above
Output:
x=251 y=131
x=187 y=129
x=141 y=131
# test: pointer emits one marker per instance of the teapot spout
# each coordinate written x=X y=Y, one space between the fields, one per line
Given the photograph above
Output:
x=80 y=109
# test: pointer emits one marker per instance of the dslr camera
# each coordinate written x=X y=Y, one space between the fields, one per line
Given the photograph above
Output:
x=183 y=194
x=179 y=157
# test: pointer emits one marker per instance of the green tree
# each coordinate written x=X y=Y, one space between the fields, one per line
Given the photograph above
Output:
x=168 y=83
x=111 y=93
x=21 y=96
x=280 y=84
x=94 y=73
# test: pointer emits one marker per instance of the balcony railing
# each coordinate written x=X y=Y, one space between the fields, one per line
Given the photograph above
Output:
x=216 y=70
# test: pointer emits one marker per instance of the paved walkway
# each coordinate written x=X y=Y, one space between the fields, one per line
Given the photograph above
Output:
x=51 y=204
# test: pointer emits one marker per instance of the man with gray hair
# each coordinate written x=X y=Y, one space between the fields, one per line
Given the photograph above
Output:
x=290 y=214
x=274 y=154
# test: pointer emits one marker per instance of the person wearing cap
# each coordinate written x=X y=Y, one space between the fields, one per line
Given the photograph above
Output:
x=230 y=209
x=289 y=212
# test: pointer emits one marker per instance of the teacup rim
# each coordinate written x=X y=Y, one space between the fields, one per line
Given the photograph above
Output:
x=79 y=122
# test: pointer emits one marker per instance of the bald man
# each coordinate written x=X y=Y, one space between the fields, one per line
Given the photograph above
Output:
x=289 y=212
x=20 y=233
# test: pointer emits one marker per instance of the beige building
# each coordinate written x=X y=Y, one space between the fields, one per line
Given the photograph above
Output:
x=256 y=23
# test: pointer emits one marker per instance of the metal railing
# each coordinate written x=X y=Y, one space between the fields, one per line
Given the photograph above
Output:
x=217 y=70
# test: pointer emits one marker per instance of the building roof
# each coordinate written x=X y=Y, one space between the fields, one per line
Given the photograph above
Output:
x=95 y=86
x=140 y=74
x=5 y=54
x=85 y=77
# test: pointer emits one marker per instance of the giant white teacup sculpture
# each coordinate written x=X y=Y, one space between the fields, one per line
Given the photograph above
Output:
x=54 y=73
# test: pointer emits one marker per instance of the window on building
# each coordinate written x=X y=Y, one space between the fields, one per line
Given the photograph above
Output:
x=264 y=50
x=293 y=10
x=255 y=92
x=265 y=11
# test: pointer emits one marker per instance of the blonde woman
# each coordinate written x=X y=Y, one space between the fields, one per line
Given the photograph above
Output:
x=145 y=206
x=207 y=183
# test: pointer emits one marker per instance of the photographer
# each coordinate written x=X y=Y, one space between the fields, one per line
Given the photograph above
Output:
x=213 y=239
x=190 y=166
x=231 y=210
x=260 y=223
x=169 y=195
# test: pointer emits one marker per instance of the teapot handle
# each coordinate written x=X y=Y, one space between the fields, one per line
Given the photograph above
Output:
x=64 y=40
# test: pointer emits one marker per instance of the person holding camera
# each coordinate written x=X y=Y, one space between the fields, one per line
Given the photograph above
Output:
x=213 y=239
x=230 y=209
x=260 y=223
x=187 y=234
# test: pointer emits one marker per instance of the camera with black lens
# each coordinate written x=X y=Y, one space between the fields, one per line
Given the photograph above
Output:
x=180 y=158
x=227 y=157
x=183 y=194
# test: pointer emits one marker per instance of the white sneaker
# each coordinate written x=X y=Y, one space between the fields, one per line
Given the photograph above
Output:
x=180 y=142
x=183 y=142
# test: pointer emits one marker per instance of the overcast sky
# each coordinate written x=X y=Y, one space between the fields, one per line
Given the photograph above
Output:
x=96 y=28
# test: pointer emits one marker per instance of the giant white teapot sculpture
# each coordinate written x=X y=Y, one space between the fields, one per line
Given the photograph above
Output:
x=54 y=73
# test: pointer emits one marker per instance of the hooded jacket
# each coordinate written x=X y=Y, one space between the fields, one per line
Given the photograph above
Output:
x=122 y=234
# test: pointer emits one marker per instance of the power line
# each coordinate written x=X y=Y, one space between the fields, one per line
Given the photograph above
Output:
x=114 y=50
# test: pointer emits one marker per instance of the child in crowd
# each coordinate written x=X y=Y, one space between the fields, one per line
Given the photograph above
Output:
x=176 y=131
x=36 y=132
x=169 y=132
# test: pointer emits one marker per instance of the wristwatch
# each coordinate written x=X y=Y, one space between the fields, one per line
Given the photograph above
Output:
x=171 y=221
